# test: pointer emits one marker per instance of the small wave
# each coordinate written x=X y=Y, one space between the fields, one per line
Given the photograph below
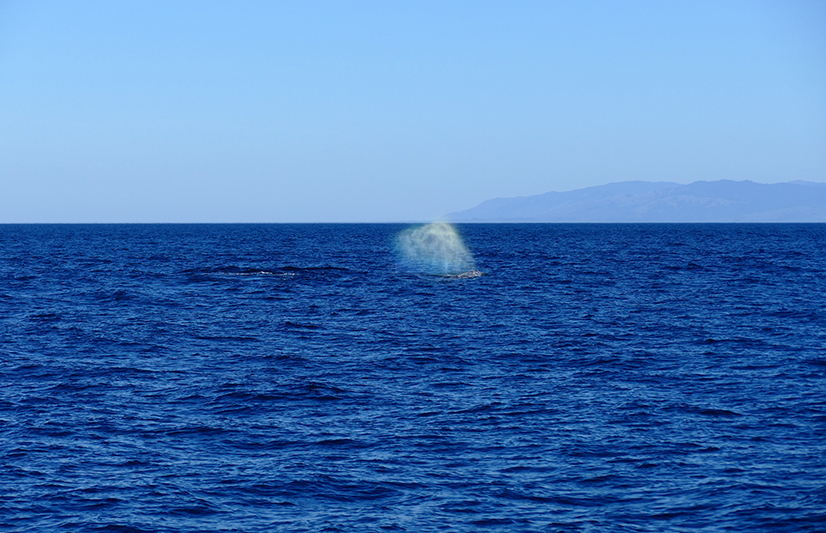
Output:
x=45 y=317
x=222 y=338
x=235 y=271
x=311 y=269
x=466 y=275
x=297 y=325
x=289 y=270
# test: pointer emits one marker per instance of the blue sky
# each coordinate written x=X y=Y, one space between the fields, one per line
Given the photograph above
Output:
x=364 y=111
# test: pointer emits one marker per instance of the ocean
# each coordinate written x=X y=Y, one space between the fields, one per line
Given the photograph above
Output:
x=323 y=377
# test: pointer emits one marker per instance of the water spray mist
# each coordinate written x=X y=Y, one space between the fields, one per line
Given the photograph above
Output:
x=435 y=249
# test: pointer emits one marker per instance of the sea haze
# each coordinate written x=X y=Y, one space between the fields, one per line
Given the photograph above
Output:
x=643 y=201
x=258 y=378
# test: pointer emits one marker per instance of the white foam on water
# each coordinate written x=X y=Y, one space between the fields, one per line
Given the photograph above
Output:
x=434 y=249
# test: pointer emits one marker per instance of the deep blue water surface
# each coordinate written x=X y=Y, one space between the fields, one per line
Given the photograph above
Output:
x=182 y=378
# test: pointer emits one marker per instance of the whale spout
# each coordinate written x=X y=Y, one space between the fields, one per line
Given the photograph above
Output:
x=435 y=249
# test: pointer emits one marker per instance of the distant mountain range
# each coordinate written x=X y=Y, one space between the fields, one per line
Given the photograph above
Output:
x=643 y=201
